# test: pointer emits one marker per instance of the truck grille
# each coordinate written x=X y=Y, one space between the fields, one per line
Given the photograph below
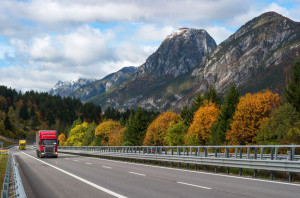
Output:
x=49 y=149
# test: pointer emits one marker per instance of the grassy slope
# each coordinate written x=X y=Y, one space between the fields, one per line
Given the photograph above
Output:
x=3 y=163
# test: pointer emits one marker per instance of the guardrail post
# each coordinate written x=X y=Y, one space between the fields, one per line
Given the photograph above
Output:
x=206 y=152
x=248 y=152
x=226 y=153
x=160 y=150
x=290 y=176
x=292 y=153
x=166 y=151
x=276 y=153
x=255 y=153
x=261 y=153
x=236 y=151
x=196 y=151
x=255 y=173
x=216 y=152
x=241 y=152
x=272 y=153
x=272 y=175
x=172 y=151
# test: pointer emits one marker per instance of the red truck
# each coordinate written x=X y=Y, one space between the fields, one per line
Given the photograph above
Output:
x=46 y=143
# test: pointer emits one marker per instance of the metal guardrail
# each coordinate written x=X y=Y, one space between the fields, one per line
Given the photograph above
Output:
x=12 y=182
x=258 y=157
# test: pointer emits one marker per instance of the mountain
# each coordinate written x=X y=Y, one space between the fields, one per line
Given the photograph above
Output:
x=257 y=56
x=178 y=54
x=65 y=88
x=254 y=58
x=100 y=86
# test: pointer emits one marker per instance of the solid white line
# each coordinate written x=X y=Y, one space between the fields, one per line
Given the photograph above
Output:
x=75 y=160
x=88 y=163
x=80 y=179
x=194 y=185
x=106 y=167
x=199 y=172
x=137 y=174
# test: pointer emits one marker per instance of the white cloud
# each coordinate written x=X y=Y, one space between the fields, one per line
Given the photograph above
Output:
x=218 y=33
x=150 y=32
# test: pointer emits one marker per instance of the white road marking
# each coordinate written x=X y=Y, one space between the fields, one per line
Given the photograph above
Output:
x=88 y=163
x=80 y=179
x=137 y=174
x=194 y=185
x=205 y=173
x=75 y=160
x=106 y=167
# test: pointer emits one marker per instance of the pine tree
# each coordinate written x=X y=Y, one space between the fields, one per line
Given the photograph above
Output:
x=218 y=130
x=7 y=123
x=136 y=128
x=292 y=91
x=212 y=95
x=188 y=114
x=23 y=112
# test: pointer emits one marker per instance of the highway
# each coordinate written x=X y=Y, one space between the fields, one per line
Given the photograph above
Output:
x=78 y=176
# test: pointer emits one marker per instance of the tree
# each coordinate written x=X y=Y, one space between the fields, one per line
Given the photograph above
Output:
x=106 y=130
x=89 y=135
x=62 y=139
x=77 y=134
x=252 y=109
x=275 y=129
x=199 y=131
x=212 y=96
x=157 y=130
x=176 y=133
x=7 y=123
x=218 y=130
x=292 y=91
x=136 y=128
x=23 y=112
x=188 y=114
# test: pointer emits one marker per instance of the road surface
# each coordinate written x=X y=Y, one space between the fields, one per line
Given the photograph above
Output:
x=78 y=176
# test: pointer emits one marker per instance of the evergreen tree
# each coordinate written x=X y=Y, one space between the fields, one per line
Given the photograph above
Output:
x=7 y=123
x=23 y=112
x=32 y=112
x=218 y=130
x=188 y=115
x=50 y=119
x=212 y=95
x=136 y=129
x=292 y=91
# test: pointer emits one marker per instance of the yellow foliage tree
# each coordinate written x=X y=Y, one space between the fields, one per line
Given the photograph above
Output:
x=199 y=131
x=62 y=139
x=251 y=111
x=76 y=134
x=157 y=130
x=110 y=132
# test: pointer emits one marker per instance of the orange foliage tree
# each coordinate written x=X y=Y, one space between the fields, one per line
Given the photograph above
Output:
x=199 y=131
x=62 y=139
x=157 y=130
x=251 y=111
x=110 y=132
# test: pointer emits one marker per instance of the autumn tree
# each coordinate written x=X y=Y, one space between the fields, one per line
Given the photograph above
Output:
x=252 y=109
x=157 y=130
x=107 y=130
x=292 y=91
x=89 y=135
x=116 y=136
x=188 y=114
x=218 y=130
x=199 y=131
x=62 y=139
x=76 y=135
x=176 y=133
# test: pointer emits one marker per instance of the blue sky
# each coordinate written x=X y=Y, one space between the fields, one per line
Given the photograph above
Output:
x=43 y=41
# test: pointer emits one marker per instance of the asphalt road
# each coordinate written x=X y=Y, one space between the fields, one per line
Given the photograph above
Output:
x=78 y=176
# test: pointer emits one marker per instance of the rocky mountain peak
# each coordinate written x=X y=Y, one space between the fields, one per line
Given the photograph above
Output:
x=180 y=52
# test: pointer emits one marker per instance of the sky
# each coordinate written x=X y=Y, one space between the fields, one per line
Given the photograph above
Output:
x=43 y=41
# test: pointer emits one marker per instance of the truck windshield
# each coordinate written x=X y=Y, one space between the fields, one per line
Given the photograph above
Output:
x=23 y=144
x=48 y=142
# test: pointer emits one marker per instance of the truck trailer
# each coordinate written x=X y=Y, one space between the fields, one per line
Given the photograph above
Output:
x=46 y=143
x=22 y=144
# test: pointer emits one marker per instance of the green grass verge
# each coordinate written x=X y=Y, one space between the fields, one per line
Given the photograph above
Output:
x=3 y=163
x=6 y=143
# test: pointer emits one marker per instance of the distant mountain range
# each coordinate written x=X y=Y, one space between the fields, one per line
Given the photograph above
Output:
x=258 y=56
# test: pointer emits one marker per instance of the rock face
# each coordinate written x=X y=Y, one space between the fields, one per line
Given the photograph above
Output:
x=254 y=57
x=178 y=54
x=64 y=89
x=100 y=86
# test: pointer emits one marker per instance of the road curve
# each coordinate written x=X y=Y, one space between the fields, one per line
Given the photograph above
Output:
x=78 y=176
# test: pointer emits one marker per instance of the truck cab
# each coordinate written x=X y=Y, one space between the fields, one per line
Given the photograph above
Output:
x=46 y=143
x=22 y=144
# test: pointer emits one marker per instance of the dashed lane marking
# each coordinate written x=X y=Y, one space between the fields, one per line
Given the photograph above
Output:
x=194 y=185
x=137 y=174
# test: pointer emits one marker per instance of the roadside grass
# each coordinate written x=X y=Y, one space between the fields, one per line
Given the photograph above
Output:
x=3 y=163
